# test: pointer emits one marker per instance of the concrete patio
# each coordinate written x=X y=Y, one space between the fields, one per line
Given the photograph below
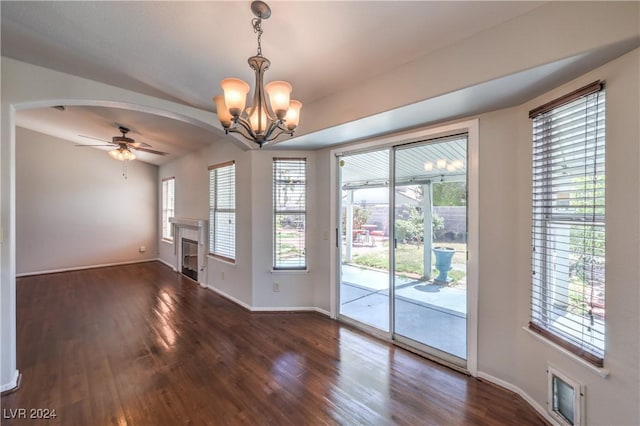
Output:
x=431 y=314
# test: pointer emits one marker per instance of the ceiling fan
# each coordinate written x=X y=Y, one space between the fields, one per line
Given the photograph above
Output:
x=123 y=146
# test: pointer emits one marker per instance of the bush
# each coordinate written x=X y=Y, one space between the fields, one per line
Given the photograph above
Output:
x=411 y=228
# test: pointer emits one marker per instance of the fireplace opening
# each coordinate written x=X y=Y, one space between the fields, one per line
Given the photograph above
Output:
x=190 y=258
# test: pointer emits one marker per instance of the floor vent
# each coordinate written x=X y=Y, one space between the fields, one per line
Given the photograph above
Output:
x=565 y=398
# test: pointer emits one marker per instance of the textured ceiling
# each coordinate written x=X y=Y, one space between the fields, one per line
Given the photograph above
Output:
x=180 y=51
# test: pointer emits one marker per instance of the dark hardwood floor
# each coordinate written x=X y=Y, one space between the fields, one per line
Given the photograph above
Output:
x=141 y=345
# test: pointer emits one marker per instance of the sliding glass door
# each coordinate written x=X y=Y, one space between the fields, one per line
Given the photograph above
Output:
x=403 y=244
x=364 y=237
x=430 y=251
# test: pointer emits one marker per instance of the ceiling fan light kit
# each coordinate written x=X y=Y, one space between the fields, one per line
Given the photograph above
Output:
x=124 y=146
x=263 y=121
x=122 y=154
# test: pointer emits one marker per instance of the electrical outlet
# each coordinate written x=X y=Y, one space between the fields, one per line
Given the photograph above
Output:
x=276 y=286
x=325 y=236
x=142 y=249
x=222 y=275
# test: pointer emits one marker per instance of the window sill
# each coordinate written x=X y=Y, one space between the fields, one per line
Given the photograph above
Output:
x=289 y=271
x=602 y=372
x=164 y=240
x=218 y=259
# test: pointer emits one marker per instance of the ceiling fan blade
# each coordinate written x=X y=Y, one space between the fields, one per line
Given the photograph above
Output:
x=152 y=151
x=97 y=139
x=81 y=144
x=140 y=145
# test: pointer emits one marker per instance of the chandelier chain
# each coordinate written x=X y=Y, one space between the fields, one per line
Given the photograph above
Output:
x=256 y=23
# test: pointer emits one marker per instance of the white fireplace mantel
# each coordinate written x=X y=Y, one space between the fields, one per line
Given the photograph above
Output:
x=199 y=224
x=195 y=229
x=184 y=221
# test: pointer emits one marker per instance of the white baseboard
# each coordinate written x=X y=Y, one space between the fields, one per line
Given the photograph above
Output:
x=229 y=297
x=269 y=308
x=289 y=309
x=173 y=268
x=12 y=384
x=323 y=312
x=79 y=268
x=513 y=388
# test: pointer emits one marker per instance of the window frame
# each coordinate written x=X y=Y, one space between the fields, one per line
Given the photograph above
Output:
x=545 y=217
x=214 y=209
x=168 y=183
x=277 y=212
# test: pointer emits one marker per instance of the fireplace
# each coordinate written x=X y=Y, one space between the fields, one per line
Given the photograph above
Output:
x=190 y=236
x=190 y=258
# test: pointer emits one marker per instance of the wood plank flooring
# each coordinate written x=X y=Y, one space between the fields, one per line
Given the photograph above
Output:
x=141 y=345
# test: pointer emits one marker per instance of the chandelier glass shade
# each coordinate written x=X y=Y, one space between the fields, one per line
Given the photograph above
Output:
x=272 y=112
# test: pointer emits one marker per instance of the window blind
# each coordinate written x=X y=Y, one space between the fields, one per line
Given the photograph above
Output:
x=289 y=213
x=568 y=230
x=222 y=211
x=168 y=203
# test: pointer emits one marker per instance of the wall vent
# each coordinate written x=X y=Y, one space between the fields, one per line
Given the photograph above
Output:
x=565 y=398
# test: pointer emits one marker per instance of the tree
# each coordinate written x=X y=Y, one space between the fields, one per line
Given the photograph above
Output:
x=449 y=194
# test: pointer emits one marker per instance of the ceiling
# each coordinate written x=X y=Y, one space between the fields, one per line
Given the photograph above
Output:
x=414 y=164
x=180 y=51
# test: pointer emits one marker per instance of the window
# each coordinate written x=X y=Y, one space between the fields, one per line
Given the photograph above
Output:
x=289 y=213
x=168 y=203
x=222 y=211
x=568 y=230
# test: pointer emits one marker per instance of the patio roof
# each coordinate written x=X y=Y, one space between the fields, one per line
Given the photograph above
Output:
x=419 y=164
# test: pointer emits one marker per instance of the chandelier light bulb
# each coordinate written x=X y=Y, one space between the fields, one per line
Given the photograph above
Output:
x=441 y=163
x=223 y=112
x=428 y=166
x=458 y=164
x=258 y=120
x=293 y=114
x=279 y=93
x=235 y=95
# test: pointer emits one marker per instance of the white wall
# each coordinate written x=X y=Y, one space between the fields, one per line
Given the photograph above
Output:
x=75 y=209
x=612 y=400
x=497 y=257
x=506 y=352
x=192 y=201
x=325 y=235
x=250 y=280
x=553 y=31
x=296 y=288
x=27 y=86
x=191 y=194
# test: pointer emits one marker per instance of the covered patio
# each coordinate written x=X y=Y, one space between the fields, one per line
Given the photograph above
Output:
x=428 y=205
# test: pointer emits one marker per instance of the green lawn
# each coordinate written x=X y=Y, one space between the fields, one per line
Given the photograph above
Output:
x=408 y=258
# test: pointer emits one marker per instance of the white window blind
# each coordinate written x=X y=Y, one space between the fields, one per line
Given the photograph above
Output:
x=222 y=211
x=289 y=213
x=168 y=203
x=568 y=232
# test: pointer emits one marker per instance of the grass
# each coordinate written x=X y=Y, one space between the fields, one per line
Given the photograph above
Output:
x=408 y=258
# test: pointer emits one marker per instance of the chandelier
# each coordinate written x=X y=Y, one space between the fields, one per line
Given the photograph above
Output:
x=263 y=121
